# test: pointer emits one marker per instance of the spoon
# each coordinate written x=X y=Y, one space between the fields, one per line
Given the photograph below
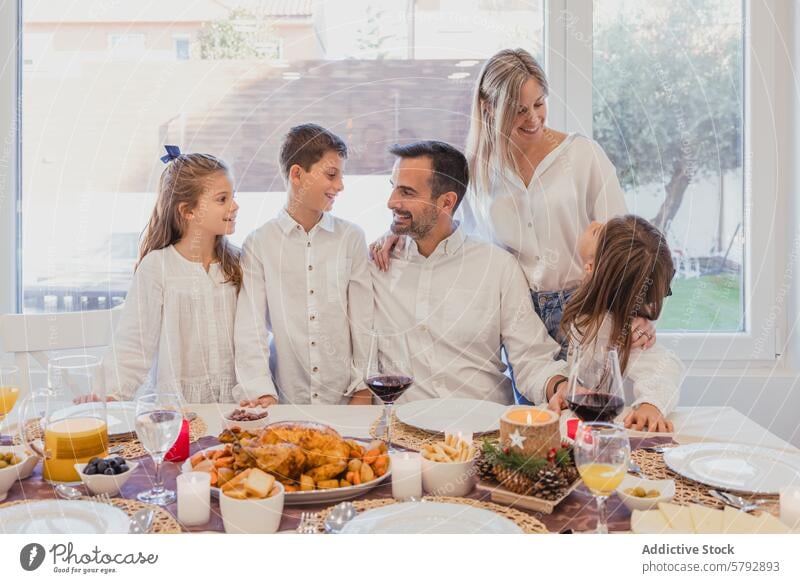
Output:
x=141 y=521
x=340 y=515
x=67 y=492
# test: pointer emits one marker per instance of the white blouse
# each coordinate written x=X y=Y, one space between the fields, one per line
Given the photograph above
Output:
x=175 y=332
x=653 y=376
x=540 y=223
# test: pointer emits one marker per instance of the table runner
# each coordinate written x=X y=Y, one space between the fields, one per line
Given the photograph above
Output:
x=577 y=512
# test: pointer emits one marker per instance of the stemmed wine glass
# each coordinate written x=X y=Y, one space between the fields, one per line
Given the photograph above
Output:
x=159 y=418
x=602 y=451
x=388 y=372
x=595 y=389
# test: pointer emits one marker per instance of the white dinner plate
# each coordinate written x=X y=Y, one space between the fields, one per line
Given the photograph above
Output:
x=430 y=518
x=439 y=415
x=314 y=496
x=63 y=517
x=120 y=416
x=730 y=466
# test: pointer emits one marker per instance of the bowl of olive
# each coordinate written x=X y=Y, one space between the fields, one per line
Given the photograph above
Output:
x=15 y=464
x=642 y=494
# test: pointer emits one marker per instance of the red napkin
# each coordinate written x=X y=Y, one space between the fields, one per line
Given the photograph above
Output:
x=180 y=451
x=572 y=427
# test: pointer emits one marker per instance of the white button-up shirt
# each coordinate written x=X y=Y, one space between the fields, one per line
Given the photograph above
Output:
x=312 y=292
x=540 y=223
x=175 y=332
x=459 y=307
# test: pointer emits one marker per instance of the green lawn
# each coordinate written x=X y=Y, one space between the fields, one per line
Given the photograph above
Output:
x=709 y=303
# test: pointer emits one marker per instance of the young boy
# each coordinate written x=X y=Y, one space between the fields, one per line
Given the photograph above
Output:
x=306 y=281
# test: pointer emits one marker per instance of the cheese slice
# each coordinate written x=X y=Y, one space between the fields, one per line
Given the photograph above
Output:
x=738 y=522
x=649 y=522
x=679 y=518
x=768 y=524
x=706 y=520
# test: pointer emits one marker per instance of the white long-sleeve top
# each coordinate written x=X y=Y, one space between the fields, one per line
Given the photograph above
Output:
x=540 y=223
x=175 y=331
x=305 y=311
x=652 y=376
x=459 y=307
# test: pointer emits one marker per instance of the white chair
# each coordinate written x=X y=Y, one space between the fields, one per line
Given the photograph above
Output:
x=33 y=336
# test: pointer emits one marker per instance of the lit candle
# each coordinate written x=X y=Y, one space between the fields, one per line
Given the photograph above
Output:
x=459 y=434
x=530 y=431
x=406 y=475
x=528 y=416
x=790 y=507
x=194 y=498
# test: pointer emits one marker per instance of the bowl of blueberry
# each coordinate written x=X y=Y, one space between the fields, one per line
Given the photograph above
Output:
x=106 y=475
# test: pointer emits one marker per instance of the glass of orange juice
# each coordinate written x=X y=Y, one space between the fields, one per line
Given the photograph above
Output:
x=9 y=389
x=602 y=452
x=66 y=422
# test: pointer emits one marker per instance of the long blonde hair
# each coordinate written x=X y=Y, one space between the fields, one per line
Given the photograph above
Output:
x=493 y=113
x=632 y=274
x=183 y=181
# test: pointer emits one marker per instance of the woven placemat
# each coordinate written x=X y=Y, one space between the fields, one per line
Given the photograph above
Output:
x=414 y=439
x=526 y=522
x=688 y=491
x=131 y=448
x=163 y=521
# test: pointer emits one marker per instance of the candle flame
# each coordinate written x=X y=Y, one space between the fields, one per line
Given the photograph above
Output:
x=530 y=419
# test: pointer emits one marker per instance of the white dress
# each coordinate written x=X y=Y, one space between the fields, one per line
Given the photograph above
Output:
x=653 y=376
x=175 y=332
x=540 y=223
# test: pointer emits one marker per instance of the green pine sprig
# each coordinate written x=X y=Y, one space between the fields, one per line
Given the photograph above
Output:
x=527 y=466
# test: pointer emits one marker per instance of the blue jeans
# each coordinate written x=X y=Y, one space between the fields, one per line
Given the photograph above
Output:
x=549 y=307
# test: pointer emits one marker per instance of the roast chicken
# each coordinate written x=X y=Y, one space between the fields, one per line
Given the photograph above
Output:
x=289 y=449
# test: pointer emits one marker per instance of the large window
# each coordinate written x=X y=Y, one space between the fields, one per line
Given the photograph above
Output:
x=676 y=92
x=668 y=110
x=106 y=84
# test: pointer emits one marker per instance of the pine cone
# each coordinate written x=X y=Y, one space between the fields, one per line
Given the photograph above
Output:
x=513 y=480
x=550 y=483
x=483 y=467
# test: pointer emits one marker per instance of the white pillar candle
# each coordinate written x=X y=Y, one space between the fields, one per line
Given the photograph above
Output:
x=459 y=434
x=194 y=498
x=790 y=507
x=406 y=475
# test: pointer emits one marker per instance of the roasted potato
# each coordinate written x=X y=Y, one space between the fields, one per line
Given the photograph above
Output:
x=327 y=484
x=306 y=483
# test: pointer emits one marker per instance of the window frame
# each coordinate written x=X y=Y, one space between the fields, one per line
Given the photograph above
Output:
x=568 y=59
x=570 y=73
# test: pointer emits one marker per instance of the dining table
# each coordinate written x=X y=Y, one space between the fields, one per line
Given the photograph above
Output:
x=576 y=513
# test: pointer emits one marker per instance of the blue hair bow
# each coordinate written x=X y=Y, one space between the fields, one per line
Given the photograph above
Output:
x=172 y=153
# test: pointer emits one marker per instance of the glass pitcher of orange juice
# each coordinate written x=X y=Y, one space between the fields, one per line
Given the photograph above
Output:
x=66 y=423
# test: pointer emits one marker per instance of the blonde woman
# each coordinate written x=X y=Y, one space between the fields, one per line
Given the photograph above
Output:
x=534 y=189
x=176 y=329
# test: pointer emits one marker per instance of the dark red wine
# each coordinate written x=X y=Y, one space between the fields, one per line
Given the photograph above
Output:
x=388 y=388
x=596 y=406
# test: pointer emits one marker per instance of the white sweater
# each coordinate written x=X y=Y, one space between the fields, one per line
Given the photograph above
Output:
x=654 y=375
x=175 y=332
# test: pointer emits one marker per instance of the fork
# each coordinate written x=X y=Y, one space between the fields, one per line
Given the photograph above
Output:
x=736 y=501
x=655 y=448
x=307 y=523
x=103 y=498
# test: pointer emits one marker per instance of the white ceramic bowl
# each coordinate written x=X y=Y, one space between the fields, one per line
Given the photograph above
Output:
x=102 y=484
x=20 y=471
x=448 y=478
x=252 y=515
x=246 y=425
x=666 y=487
